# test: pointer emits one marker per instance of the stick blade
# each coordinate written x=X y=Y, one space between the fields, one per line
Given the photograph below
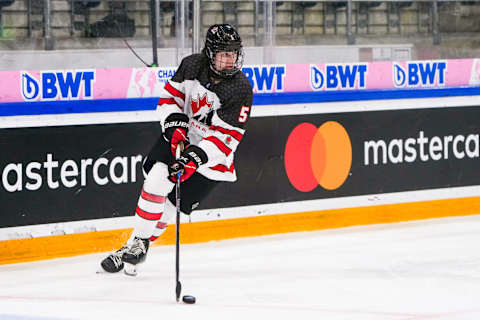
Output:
x=178 y=290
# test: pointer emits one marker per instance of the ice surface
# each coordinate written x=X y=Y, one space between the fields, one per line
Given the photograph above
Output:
x=407 y=271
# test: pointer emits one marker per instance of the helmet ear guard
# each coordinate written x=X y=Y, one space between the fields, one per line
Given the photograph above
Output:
x=224 y=37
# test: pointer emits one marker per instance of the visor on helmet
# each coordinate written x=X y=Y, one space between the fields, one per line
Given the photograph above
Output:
x=224 y=38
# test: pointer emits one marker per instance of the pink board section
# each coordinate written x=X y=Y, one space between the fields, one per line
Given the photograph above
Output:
x=51 y=85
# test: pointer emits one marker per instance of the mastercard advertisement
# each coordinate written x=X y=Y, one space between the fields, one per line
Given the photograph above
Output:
x=306 y=157
x=68 y=174
x=72 y=173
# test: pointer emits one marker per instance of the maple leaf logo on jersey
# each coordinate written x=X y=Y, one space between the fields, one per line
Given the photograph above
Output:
x=199 y=103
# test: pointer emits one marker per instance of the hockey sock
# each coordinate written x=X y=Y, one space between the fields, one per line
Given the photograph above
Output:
x=149 y=210
x=158 y=231
x=167 y=217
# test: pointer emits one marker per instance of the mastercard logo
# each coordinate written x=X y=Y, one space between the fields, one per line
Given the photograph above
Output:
x=318 y=156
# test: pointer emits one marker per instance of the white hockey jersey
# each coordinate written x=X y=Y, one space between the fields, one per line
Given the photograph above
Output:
x=218 y=110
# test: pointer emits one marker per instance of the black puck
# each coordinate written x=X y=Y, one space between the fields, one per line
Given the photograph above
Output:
x=189 y=299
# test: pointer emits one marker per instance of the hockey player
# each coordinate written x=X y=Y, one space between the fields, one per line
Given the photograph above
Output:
x=204 y=107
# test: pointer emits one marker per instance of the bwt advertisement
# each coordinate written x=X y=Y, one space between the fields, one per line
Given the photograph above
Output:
x=68 y=85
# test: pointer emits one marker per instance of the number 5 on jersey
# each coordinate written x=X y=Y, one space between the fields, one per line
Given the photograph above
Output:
x=244 y=112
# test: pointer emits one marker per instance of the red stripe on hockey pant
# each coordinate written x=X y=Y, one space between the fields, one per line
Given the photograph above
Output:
x=147 y=215
x=152 y=197
x=235 y=134
x=168 y=101
x=174 y=91
x=220 y=145
x=222 y=168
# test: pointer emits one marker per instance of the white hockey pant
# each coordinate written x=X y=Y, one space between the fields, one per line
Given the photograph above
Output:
x=153 y=209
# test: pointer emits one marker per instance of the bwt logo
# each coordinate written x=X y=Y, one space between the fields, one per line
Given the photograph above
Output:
x=420 y=74
x=318 y=156
x=58 y=85
x=344 y=76
x=267 y=78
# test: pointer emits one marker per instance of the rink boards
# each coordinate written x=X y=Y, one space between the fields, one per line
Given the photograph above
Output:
x=70 y=182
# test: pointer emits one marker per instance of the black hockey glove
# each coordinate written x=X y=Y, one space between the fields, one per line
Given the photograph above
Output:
x=176 y=130
x=188 y=162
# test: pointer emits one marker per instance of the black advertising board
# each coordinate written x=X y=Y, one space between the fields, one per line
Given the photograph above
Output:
x=64 y=173
x=415 y=149
x=71 y=173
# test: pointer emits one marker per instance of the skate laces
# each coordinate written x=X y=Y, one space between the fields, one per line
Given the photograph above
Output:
x=116 y=257
x=117 y=260
x=138 y=248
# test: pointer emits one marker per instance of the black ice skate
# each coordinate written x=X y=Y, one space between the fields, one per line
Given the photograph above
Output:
x=136 y=253
x=113 y=263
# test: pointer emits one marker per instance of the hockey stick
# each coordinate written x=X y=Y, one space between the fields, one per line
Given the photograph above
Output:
x=178 y=287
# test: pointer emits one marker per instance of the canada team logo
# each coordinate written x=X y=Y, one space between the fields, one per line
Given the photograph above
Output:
x=200 y=102
x=318 y=156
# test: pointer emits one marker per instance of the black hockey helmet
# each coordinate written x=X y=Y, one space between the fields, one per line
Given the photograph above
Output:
x=223 y=37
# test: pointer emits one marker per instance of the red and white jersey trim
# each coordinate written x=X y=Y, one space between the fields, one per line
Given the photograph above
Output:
x=172 y=99
x=220 y=145
x=167 y=101
x=233 y=133
x=219 y=139
x=171 y=88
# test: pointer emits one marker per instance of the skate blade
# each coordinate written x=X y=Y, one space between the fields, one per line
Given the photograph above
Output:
x=103 y=271
x=130 y=269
